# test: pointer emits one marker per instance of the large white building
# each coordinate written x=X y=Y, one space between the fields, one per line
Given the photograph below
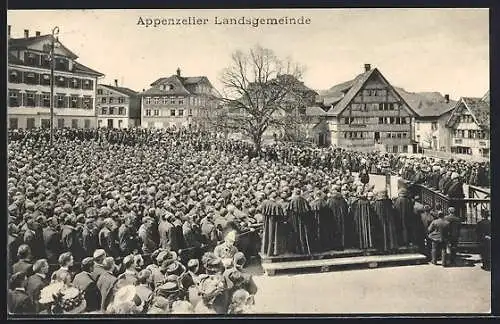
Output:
x=29 y=85
x=117 y=107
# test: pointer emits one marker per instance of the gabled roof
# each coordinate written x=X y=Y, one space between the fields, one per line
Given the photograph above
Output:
x=346 y=92
x=23 y=43
x=80 y=68
x=479 y=109
x=123 y=90
x=486 y=97
x=427 y=104
x=315 y=111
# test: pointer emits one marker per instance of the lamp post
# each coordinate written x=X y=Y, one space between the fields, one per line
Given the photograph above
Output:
x=55 y=33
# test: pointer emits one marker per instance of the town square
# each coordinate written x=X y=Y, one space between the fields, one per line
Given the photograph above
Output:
x=332 y=161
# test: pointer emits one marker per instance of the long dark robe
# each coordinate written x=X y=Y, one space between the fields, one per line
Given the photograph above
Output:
x=406 y=219
x=301 y=218
x=325 y=224
x=274 y=236
x=339 y=209
x=364 y=223
x=387 y=235
x=456 y=191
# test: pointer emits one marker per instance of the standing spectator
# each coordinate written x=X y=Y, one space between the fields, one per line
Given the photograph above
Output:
x=98 y=256
x=107 y=282
x=404 y=207
x=438 y=234
x=90 y=239
x=18 y=301
x=427 y=219
x=37 y=281
x=86 y=283
x=52 y=239
x=454 y=233
x=126 y=237
x=63 y=273
x=24 y=263
x=483 y=231
x=129 y=277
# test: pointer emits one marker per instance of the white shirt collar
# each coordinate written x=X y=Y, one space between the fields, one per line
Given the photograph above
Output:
x=42 y=275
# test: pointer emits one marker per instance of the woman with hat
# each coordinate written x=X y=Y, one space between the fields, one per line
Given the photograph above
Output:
x=126 y=301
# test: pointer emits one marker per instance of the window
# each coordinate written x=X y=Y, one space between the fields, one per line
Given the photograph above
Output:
x=46 y=61
x=74 y=102
x=45 y=123
x=103 y=100
x=388 y=135
x=395 y=149
x=75 y=83
x=147 y=100
x=44 y=79
x=110 y=99
x=104 y=111
x=181 y=101
x=171 y=87
x=391 y=106
x=120 y=123
x=86 y=123
x=121 y=100
x=156 y=112
x=404 y=135
x=46 y=100
x=30 y=78
x=418 y=138
x=61 y=82
x=403 y=120
x=99 y=91
x=190 y=112
x=60 y=101
x=60 y=123
x=156 y=100
x=121 y=111
x=148 y=112
x=405 y=148
x=30 y=123
x=172 y=112
x=111 y=110
x=165 y=100
x=12 y=123
x=172 y=100
x=391 y=120
x=74 y=123
x=14 y=76
x=31 y=58
x=30 y=99
x=399 y=135
x=434 y=126
x=87 y=102
x=380 y=106
x=345 y=134
x=13 y=99
x=181 y=112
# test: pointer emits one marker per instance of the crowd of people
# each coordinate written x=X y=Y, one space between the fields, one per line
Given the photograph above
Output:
x=161 y=221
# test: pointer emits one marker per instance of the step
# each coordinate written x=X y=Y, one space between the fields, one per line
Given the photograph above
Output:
x=325 y=265
x=331 y=254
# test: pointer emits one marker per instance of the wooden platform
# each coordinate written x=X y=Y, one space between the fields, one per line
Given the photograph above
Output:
x=331 y=254
x=342 y=263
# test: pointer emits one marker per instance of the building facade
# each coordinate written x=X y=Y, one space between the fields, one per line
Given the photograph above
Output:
x=117 y=107
x=29 y=85
x=178 y=102
x=469 y=124
x=367 y=113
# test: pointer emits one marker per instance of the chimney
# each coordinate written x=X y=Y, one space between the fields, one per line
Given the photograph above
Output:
x=8 y=31
x=447 y=98
x=178 y=72
x=26 y=33
x=368 y=67
x=116 y=82
x=37 y=33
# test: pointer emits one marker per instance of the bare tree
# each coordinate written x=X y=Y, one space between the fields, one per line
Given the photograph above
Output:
x=260 y=91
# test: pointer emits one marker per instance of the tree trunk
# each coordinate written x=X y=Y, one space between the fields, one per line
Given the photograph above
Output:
x=257 y=141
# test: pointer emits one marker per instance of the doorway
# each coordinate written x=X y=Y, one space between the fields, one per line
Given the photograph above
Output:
x=377 y=137
x=110 y=123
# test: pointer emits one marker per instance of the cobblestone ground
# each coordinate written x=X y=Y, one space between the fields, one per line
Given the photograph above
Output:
x=405 y=289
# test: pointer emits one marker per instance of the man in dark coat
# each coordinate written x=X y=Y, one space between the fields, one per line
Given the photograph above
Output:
x=86 y=283
x=52 y=239
x=483 y=231
x=68 y=235
x=303 y=229
x=274 y=236
x=18 y=301
x=387 y=236
x=24 y=263
x=90 y=239
x=365 y=223
x=34 y=238
x=324 y=223
x=438 y=233
x=340 y=212
x=456 y=191
x=107 y=239
x=127 y=237
x=37 y=281
x=427 y=218
x=107 y=283
x=403 y=206
x=164 y=228
x=13 y=243
x=454 y=233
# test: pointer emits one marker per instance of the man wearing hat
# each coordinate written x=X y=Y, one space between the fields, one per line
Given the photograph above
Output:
x=227 y=250
x=18 y=301
x=86 y=283
x=98 y=256
x=143 y=288
x=129 y=276
x=52 y=240
x=146 y=234
x=438 y=234
x=454 y=233
x=107 y=282
x=127 y=237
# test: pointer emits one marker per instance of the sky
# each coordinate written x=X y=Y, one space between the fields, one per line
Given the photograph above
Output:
x=443 y=50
